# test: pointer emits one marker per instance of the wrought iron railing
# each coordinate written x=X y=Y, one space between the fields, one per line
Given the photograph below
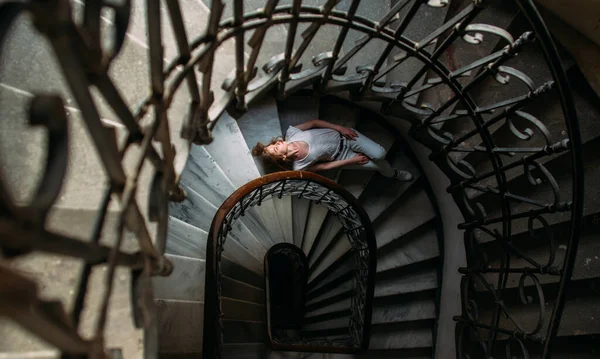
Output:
x=359 y=233
x=85 y=63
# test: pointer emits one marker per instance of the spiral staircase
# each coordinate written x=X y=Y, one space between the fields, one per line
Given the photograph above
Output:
x=136 y=223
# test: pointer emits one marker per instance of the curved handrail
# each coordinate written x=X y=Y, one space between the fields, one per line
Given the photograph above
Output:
x=310 y=186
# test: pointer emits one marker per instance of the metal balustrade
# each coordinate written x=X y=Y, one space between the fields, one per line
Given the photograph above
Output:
x=85 y=62
x=359 y=233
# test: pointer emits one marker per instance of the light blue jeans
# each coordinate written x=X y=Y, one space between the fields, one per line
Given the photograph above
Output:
x=368 y=147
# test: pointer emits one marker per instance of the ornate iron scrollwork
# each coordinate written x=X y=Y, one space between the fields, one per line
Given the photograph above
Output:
x=85 y=63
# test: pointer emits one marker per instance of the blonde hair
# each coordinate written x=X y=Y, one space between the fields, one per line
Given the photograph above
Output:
x=260 y=151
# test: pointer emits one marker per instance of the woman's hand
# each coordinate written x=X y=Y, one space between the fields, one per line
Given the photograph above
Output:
x=360 y=159
x=348 y=133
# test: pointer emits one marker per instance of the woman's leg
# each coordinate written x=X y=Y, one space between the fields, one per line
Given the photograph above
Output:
x=367 y=146
x=373 y=150
x=382 y=167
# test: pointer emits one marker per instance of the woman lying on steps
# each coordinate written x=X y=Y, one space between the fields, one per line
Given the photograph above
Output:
x=317 y=145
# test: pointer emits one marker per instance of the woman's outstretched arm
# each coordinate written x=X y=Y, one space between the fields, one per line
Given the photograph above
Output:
x=316 y=123
x=359 y=158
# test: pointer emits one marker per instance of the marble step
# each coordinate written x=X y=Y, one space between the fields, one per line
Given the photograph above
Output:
x=189 y=241
x=186 y=282
x=415 y=210
x=402 y=336
x=560 y=170
x=394 y=312
x=377 y=198
x=548 y=109
x=580 y=315
x=355 y=181
x=230 y=151
x=417 y=353
x=244 y=350
x=419 y=245
x=195 y=210
x=388 y=284
x=261 y=124
x=235 y=289
x=204 y=175
x=415 y=249
x=374 y=10
x=180 y=326
x=184 y=239
x=181 y=323
x=334 y=111
x=425 y=21
x=235 y=331
x=295 y=110
x=587 y=260
x=500 y=14
x=341 y=306
x=241 y=310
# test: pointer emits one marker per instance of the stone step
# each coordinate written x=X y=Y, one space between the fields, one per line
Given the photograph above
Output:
x=547 y=109
x=587 y=262
x=295 y=110
x=235 y=332
x=180 y=326
x=261 y=124
x=387 y=284
x=189 y=241
x=416 y=353
x=181 y=323
x=580 y=311
x=425 y=21
x=560 y=170
x=241 y=310
x=411 y=212
x=235 y=289
x=198 y=212
x=369 y=54
x=417 y=248
x=334 y=111
x=419 y=245
x=355 y=181
x=244 y=350
x=462 y=53
x=378 y=197
x=230 y=144
x=204 y=175
x=407 y=335
x=184 y=239
x=185 y=283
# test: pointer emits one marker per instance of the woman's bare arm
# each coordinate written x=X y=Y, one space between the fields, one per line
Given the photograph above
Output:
x=316 y=123
x=324 y=166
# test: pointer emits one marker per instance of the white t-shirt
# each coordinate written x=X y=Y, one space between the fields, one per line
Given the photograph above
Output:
x=322 y=144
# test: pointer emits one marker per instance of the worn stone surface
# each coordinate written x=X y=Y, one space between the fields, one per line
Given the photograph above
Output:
x=230 y=144
x=185 y=283
x=180 y=326
x=185 y=239
x=261 y=124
